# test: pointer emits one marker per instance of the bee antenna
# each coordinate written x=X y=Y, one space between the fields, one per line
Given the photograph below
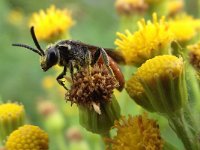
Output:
x=28 y=47
x=36 y=41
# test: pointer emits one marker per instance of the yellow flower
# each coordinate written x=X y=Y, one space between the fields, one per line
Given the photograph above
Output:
x=27 y=137
x=194 y=55
x=15 y=17
x=11 y=117
x=152 y=38
x=11 y=110
x=52 y=24
x=175 y=6
x=130 y=6
x=136 y=133
x=184 y=27
x=49 y=82
x=159 y=84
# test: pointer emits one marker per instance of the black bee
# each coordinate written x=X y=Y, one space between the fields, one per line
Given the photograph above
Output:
x=74 y=54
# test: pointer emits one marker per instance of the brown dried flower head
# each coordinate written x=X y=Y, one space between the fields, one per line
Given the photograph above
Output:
x=46 y=108
x=128 y=7
x=92 y=87
x=73 y=134
x=194 y=55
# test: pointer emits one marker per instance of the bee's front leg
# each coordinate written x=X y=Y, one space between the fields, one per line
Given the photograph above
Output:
x=61 y=76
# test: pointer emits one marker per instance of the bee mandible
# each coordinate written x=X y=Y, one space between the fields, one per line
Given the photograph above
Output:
x=74 y=54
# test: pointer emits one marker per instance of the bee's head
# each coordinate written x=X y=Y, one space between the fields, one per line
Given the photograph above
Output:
x=48 y=58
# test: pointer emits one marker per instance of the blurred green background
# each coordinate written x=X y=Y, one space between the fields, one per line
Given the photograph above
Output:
x=20 y=73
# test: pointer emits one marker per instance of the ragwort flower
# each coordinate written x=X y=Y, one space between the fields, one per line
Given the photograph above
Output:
x=184 y=27
x=52 y=24
x=152 y=38
x=136 y=133
x=27 y=137
x=12 y=116
x=92 y=89
x=175 y=6
x=159 y=84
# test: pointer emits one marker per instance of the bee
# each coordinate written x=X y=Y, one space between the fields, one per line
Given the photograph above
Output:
x=74 y=54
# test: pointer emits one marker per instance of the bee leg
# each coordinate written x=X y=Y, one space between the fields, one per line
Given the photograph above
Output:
x=71 y=68
x=106 y=60
x=61 y=76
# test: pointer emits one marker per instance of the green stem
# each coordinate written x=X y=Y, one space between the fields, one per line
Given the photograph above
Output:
x=61 y=142
x=192 y=125
x=180 y=128
x=168 y=146
x=193 y=91
x=1 y=143
x=106 y=136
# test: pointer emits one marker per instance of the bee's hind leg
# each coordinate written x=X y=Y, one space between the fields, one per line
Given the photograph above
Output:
x=71 y=69
x=106 y=60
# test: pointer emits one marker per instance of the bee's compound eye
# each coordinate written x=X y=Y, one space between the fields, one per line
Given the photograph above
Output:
x=52 y=58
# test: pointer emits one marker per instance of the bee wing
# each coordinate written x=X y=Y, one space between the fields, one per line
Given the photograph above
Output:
x=115 y=55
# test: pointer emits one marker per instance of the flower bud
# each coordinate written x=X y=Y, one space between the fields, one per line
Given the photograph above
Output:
x=12 y=115
x=159 y=84
x=27 y=137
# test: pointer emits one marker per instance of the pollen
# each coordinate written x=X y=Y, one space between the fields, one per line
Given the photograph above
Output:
x=153 y=38
x=92 y=87
x=51 y=24
x=27 y=137
x=136 y=133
